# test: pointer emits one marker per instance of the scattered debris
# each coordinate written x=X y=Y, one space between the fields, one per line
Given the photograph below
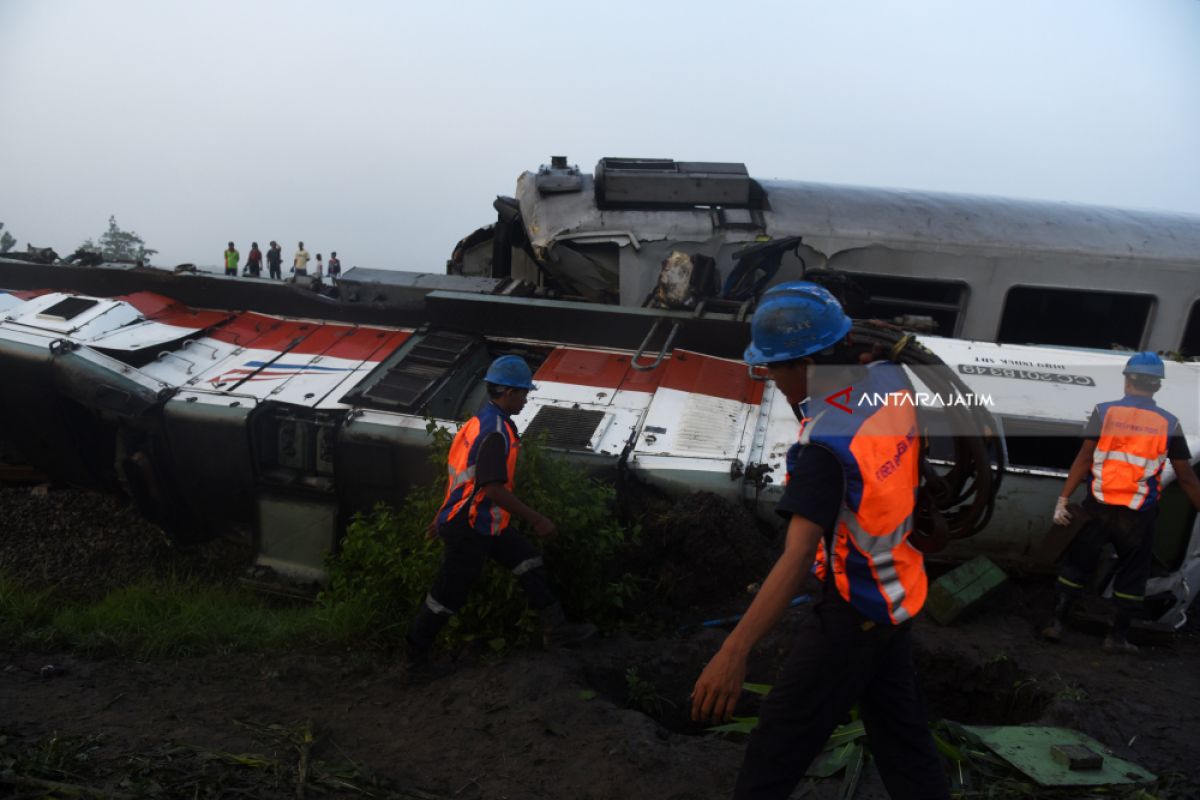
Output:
x=964 y=590
x=719 y=622
x=1032 y=750
x=1076 y=756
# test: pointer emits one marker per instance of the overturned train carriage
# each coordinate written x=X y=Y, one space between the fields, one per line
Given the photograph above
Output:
x=283 y=427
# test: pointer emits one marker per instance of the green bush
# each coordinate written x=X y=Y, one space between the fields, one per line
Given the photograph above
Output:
x=386 y=563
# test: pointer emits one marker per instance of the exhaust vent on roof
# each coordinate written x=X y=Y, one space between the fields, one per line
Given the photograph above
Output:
x=659 y=182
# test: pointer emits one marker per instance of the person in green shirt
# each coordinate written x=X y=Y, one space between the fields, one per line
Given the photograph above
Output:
x=232 y=256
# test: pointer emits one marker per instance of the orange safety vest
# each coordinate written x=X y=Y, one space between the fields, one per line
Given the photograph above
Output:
x=875 y=568
x=1131 y=452
x=461 y=492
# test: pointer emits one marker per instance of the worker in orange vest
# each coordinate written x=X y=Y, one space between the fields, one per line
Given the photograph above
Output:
x=852 y=488
x=473 y=522
x=1126 y=443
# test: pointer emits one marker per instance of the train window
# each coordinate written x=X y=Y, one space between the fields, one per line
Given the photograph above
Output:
x=890 y=297
x=1190 y=346
x=1074 y=317
x=1041 y=444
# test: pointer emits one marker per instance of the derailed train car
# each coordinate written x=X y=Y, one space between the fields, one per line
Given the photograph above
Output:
x=282 y=427
x=981 y=268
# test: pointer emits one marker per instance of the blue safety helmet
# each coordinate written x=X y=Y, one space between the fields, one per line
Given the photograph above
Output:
x=1145 y=363
x=511 y=371
x=795 y=320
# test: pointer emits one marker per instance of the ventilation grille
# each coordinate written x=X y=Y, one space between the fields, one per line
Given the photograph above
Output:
x=401 y=384
x=564 y=427
x=69 y=308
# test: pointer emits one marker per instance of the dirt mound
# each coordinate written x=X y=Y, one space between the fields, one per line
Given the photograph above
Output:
x=704 y=551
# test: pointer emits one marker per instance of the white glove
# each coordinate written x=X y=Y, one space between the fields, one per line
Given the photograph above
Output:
x=1061 y=515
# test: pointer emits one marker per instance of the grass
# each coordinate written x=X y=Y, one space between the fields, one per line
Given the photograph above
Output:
x=284 y=763
x=168 y=618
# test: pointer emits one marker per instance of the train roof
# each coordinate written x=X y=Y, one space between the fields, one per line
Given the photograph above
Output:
x=945 y=221
x=833 y=218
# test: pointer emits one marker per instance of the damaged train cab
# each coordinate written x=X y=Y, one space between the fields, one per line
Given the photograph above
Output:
x=980 y=268
x=281 y=428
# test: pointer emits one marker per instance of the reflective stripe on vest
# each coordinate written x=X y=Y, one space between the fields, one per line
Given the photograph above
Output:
x=482 y=514
x=874 y=566
x=1130 y=453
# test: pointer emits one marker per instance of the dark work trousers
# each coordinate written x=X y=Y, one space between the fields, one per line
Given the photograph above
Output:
x=467 y=551
x=833 y=664
x=1131 y=534
x=273 y=270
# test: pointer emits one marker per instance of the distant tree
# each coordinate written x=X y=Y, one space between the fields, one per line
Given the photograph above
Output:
x=118 y=245
x=7 y=241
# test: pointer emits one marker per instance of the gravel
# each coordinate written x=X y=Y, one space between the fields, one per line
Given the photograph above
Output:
x=85 y=544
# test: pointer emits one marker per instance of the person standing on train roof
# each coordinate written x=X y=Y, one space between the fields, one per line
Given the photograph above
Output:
x=275 y=261
x=300 y=262
x=232 y=256
x=473 y=522
x=254 y=261
x=1126 y=443
x=851 y=493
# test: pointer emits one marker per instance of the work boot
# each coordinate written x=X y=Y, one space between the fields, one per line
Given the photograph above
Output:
x=422 y=632
x=1053 y=632
x=1117 y=640
x=557 y=632
x=418 y=669
x=1118 y=644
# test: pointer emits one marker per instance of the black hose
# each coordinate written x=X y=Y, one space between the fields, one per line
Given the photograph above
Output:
x=958 y=502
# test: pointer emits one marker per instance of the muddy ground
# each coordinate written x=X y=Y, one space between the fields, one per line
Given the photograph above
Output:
x=606 y=720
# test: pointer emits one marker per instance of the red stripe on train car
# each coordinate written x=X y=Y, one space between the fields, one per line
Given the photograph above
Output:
x=27 y=294
x=337 y=341
x=394 y=340
x=164 y=310
x=717 y=377
x=261 y=332
x=353 y=342
x=594 y=368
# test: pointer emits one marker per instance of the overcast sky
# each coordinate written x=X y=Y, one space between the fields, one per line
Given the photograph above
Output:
x=385 y=130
